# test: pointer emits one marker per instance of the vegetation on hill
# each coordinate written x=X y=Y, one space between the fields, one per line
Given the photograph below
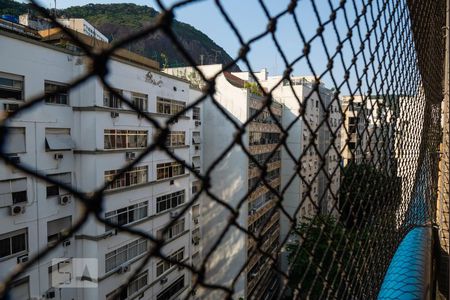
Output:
x=118 y=21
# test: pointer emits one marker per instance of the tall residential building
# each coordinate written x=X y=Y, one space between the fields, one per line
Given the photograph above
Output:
x=235 y=180
x=82 y=137
x=368 y=131
x=314 y=119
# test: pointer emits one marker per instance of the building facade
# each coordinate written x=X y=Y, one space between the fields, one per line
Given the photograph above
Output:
x=82 y=137
x=236 y=180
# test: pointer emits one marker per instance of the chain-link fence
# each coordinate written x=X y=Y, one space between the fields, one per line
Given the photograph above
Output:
x=365 y=167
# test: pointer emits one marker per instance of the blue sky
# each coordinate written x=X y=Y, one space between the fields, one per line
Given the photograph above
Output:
x=250 y=19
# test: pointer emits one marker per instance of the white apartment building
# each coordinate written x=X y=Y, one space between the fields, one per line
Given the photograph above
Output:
x=76 y=24
x=234 y=178
x=82 y=137
x=83 y=26
x=318 y=156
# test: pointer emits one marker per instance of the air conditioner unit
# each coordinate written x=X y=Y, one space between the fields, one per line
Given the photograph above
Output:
x=123 y=269
x=198 y=123
x=173 y=214
x=195 y=220
x=50 y=294
x=22 y=259
x=172 y=182
x=197 y=147
x=66 y=243
x=58 y=156
x=130 y=155
x=10 y=107
x=163 y=280
x=17 y=209
x=64 y=200
x=114 y=114
x=15 y=159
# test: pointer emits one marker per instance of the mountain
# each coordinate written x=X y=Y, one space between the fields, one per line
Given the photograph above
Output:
x=117 y=21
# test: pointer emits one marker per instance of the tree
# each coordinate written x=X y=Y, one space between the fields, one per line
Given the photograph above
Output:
x=320 y=257
x=367 y=196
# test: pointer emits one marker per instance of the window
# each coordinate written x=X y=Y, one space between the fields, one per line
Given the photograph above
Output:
x=127 y=214
x=13 y=191
x=111 y=100
x=125 y=139
x=125 y=253
x=195 y=137
x=15 y=140
x=61 y=96
x=163 y=266
x=196 y=162
x=169 y=201
x=20 y=289
x=13 y=243
x=53 y=189
x=168 y=170
x=196 y=185
x=195 y=211
x=172 y=290
x=176 y=229
x=196 y=113
x=140 y=100
x=136 y=175
x=135 y=285
x=168 y=106
x=58 y=139
x=175 y=138
x=11 y=86
x=58 y=227
x=264 y=138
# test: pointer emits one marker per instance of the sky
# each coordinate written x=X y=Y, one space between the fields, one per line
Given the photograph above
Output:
x=250 y=19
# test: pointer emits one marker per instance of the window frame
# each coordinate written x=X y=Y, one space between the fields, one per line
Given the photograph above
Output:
x=167 y=106
x=169 y=170
x=10 y=236
x=126 y=250
x=168 y=199
x=64 y=92
x=14 y=78
x=134 y=208
x=126 y=179
x=163 y=266
x=53 y=241
x=127 y=137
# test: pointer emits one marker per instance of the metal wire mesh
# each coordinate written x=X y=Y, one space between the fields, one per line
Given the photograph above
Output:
x=383 y=62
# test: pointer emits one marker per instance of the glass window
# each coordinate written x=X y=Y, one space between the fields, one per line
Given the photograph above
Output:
x=13 y=243
x=58 y=227
x=136 y=175
x=11 y=86
x=56 y=93
x=169 y=201
x=15 y=140
x=169 y=107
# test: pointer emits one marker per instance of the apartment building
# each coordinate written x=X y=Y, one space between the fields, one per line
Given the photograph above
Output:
x=76 y=24
x=369 y=128
x=236 y=181
x=313 y=118
x=83 y=136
